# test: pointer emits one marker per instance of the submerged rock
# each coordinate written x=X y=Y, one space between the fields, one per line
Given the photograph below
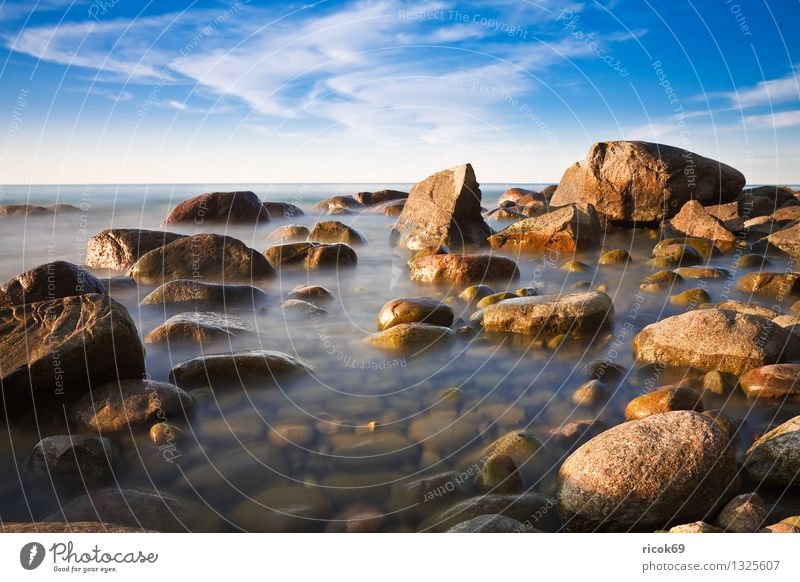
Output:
x=463 y=269
x=711 y=339
x=411 y=336
x=282 y=210
x=215 y=370
x=445 y=208
x=566 y=229
x=644 y=474
x=120 y=248
x=415 y=310
x=288 y=233
x=49 y=281
x=488 y=524
x=242 y=207
x=119 y=406
x=201 y=294
x=211 y=257
x=579 y=314
x=532 y=509
x=75 y=458
x=199 y=327
x=636 y=180
x=55 y=350
x=335 y=231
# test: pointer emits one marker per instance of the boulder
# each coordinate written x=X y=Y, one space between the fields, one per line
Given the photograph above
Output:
x=787 y=239
x=642 y=181
x=210 y=257
x=646 y=474
x=57 y=350
x=728 y=214
x=744 y=513
x=380 y=197
x=694 y=220
x=249 y=367
x=9 y=210
x=711 y=339
x=773 y=381
x=463 y=269
x=282 y=210
x=288 y=233
x=578 y=314
x=567 y=229
x=777 y=285
x=330 y=255
x=49 y=281
x=120 y=248
x=747 y=308
x=73 y=458
x=415 y=310
x=335 y=203
x=191 y=292
x=117 y=406
x=333 y=231
x=774 y=459
x=288 y=253
x=199 y=327
x=520 y=196
x=445 y=208
x=764 y=200
x=663 y=400
x=219 y=208
x=391 y=208
x=411 y=336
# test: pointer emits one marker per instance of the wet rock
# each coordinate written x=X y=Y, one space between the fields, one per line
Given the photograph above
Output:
x=283 y=509
x=198 y=327
x=242 y=207
x=165 y=434
x=703 y=247
x=360 y=518
x=49 y=281
x=711 y=339
x=694 y=220
x=590 y=394
x=703 y=273
x=728 y=214
x=202 y=294
x=376 y=450
x=663 y=400
x=615 y=257
x=64 y=527
x=787 y=239
x=774 y=381
x=463 y=269
x=667 y=277
x=579 y=314
x=54 y=350
x=519 y=196
x=335 y=231
x=74 y=458
x=488 y=524
x=744 y=513
x=764 y=200
x=575 y=267
x=445 y=208
x=391 y=208
x=752 y=261
x=118 y=406
x=695 y=527
x=411 y=336
x=336 y=255
x=691 y=297
x=211 y=257
x=288 y=253
x=335 y=203
x=283 y=210
x=774 y=459
x=532 y=509
x=120 y=248
x=288 y=233
x=634 y=180
x=779 y=285
x=496 y=298
x=573 y=434
x=521 y=446
x=249 y=367
x=780 y=527
x=304 y=308
x=505 y=213
x=564 y=229
x=747 y=308
x=415 y=310
x=719 y=383
x=690 y=469
x=675 y=255
x=605 y=370
x=429 y=250
x=500 y=475
x=128 y=507
x=475 y=293
x=291 y=435
x=380 y=197
x=311 y=293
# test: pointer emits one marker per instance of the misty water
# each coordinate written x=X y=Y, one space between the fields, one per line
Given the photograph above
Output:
x=366 y=421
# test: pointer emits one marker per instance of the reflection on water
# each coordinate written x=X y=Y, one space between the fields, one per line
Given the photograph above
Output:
x=343 y=439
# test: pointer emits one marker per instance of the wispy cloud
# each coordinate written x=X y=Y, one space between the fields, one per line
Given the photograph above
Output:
x=773 y=120
x=770 y=92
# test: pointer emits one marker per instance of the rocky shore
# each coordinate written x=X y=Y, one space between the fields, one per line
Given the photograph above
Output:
x=656 y=443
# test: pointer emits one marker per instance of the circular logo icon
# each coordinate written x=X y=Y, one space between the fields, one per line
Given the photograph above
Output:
x=31 y=555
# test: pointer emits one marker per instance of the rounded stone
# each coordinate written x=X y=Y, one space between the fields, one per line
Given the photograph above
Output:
x=415 y=310
x=663 y=400
x=773 y=381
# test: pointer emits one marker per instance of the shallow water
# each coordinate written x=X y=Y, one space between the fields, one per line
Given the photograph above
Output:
x=234 y=464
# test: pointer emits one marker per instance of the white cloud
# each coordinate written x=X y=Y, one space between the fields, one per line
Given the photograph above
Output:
x=768 y=92
x=773 y=120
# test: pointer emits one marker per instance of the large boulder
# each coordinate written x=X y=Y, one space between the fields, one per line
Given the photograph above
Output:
x=191 y=292
x=636 y=180
x=777 y=285
x=120 y=248
x=219 y=208
x=579 y=314
x=49 y=281
x=644 y=474
x=118 y=406
x=312 y=255
x=415 y=310
x=774 y=459
x=55 y=351
x=211 y=257
x=787 y=239
x=694 y=220
x=463 y=269
x=256 y=366
x=569 y=228
x=445 y=208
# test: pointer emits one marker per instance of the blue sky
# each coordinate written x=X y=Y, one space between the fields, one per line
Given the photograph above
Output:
x=388 y=90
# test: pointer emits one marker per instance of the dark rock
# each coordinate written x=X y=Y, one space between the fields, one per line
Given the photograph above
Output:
x=49 y=281
x=219 y=208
